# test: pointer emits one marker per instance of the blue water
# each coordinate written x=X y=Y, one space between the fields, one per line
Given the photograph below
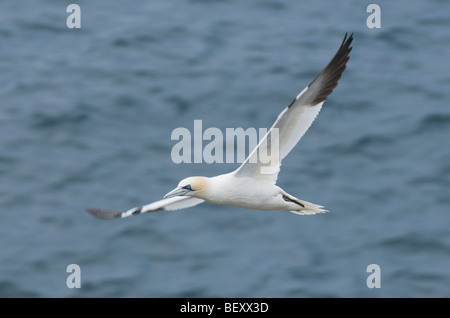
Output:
x=86 y=118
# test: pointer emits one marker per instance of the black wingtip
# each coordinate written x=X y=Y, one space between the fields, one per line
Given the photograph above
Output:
x=347 y=41
x=102 y=214
x=322 y=86
x=347 y=36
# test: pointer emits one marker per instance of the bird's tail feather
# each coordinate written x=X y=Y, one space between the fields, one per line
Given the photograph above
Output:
x=309 y=208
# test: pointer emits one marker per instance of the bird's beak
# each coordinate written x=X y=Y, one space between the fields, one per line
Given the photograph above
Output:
x=178 y=191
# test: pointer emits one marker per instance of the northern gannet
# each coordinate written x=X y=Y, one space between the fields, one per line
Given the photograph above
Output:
x=249 y=186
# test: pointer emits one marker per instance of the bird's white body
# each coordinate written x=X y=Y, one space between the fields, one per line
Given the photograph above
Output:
x=251 y=193
x=253 y=184
x=245 y=192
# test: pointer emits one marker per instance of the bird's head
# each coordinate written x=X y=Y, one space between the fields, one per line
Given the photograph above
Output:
x=192 y=186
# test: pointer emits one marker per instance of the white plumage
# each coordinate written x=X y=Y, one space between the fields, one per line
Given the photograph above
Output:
x=253 y=184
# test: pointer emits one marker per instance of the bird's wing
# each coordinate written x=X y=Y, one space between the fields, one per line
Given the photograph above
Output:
x=265 y=160
x=174 y=203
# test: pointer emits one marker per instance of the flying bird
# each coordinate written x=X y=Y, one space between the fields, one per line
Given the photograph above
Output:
x=253 y=184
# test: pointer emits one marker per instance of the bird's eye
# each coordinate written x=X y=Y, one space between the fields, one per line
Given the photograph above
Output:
x=188 y=187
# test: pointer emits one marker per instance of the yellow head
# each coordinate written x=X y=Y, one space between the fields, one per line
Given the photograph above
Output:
x=192 y=186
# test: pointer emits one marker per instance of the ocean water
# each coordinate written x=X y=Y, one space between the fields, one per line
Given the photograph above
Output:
x=87 y=114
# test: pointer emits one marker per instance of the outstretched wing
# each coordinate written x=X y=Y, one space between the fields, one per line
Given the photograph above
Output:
x=170 y=204
x=295 y=120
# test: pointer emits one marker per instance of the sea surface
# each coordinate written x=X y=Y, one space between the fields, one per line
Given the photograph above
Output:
x=87 y=114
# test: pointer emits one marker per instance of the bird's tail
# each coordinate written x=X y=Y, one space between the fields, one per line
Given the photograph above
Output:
x=309 y=208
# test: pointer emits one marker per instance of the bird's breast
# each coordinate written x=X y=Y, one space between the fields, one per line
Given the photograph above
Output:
x=244 y=192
